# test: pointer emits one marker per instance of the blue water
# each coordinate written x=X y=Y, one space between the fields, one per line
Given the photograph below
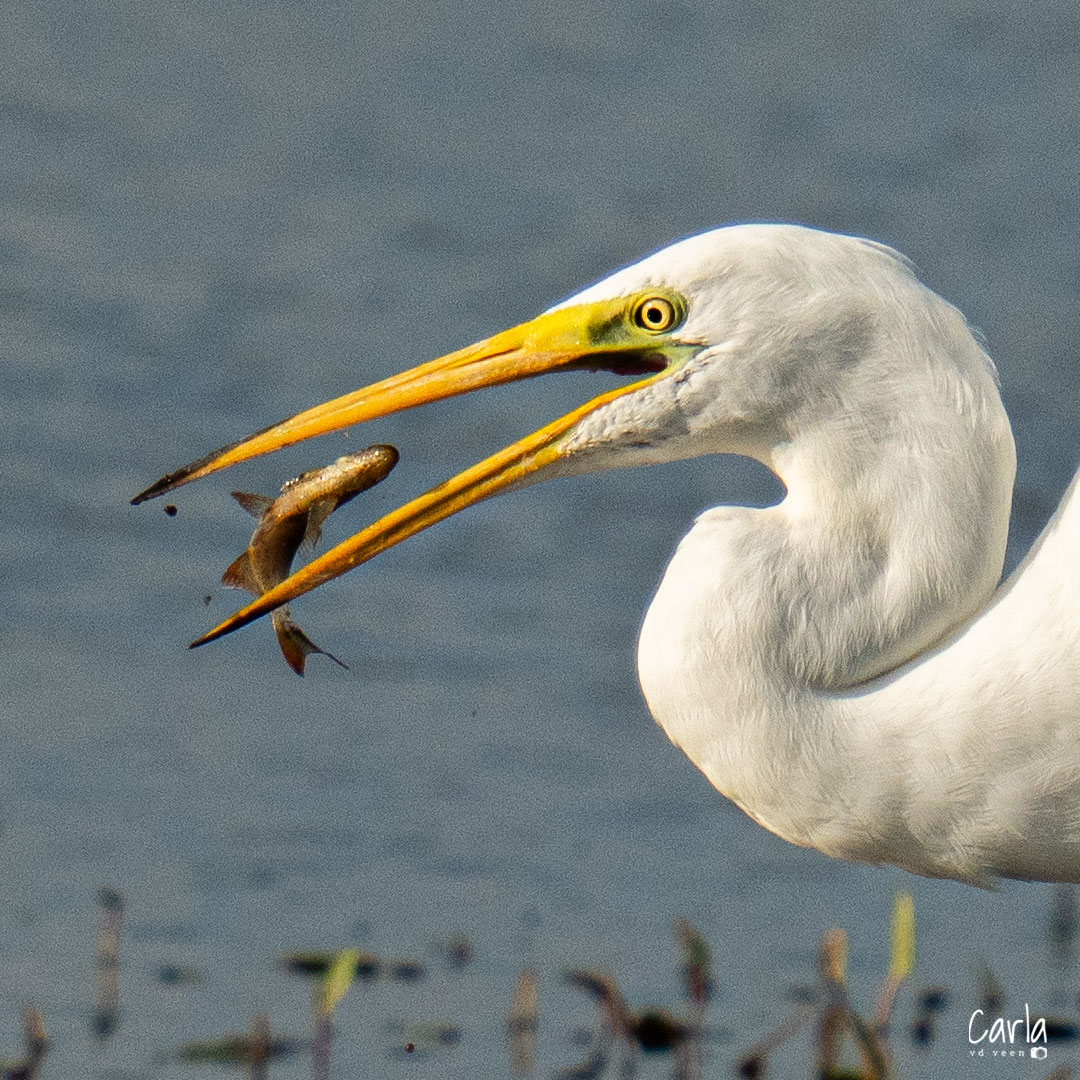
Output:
x=212 y=215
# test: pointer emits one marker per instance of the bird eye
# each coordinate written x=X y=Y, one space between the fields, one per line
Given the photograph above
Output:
x=656 y=314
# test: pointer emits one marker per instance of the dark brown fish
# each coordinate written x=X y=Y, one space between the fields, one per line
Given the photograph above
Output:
x=296 y=516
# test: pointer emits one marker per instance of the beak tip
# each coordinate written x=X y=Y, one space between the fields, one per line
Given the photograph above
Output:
x=256 y=609
x=158 y=487
x=212 y=635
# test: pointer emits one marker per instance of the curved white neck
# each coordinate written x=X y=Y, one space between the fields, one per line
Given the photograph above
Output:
x=756 y=653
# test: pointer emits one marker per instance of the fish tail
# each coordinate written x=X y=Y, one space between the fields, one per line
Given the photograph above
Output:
x=296 y=646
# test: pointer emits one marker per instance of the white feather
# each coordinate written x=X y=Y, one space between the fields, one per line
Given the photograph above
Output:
x=840 y=665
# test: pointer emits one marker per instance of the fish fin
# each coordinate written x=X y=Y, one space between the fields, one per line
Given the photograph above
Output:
x=296 y=646
x=255 y=505
x=318 y=512
x=240 y=575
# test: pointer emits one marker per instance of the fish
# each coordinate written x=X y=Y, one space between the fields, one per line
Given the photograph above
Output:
x=295 y=517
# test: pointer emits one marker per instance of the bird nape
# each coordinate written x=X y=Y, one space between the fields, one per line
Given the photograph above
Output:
x=844 y=665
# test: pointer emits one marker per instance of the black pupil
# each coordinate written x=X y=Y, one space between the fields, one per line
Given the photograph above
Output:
x=654 y=314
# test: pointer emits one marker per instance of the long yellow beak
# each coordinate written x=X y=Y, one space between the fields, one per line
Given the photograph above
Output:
x=595 y=336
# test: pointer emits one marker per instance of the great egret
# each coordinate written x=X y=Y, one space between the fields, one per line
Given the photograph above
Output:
x=839 y=665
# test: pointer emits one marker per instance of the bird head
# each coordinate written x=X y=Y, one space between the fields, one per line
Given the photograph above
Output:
x=731 y=341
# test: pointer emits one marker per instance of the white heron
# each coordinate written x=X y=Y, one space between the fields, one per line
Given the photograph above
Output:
x=839 y=665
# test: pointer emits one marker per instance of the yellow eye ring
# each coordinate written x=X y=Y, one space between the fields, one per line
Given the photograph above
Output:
x=656 y=314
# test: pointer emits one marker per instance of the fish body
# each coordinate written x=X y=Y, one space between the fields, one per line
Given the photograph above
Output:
x=295 y=517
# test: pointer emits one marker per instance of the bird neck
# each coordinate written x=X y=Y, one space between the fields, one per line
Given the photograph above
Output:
x=764 y=619
x=881 y=548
